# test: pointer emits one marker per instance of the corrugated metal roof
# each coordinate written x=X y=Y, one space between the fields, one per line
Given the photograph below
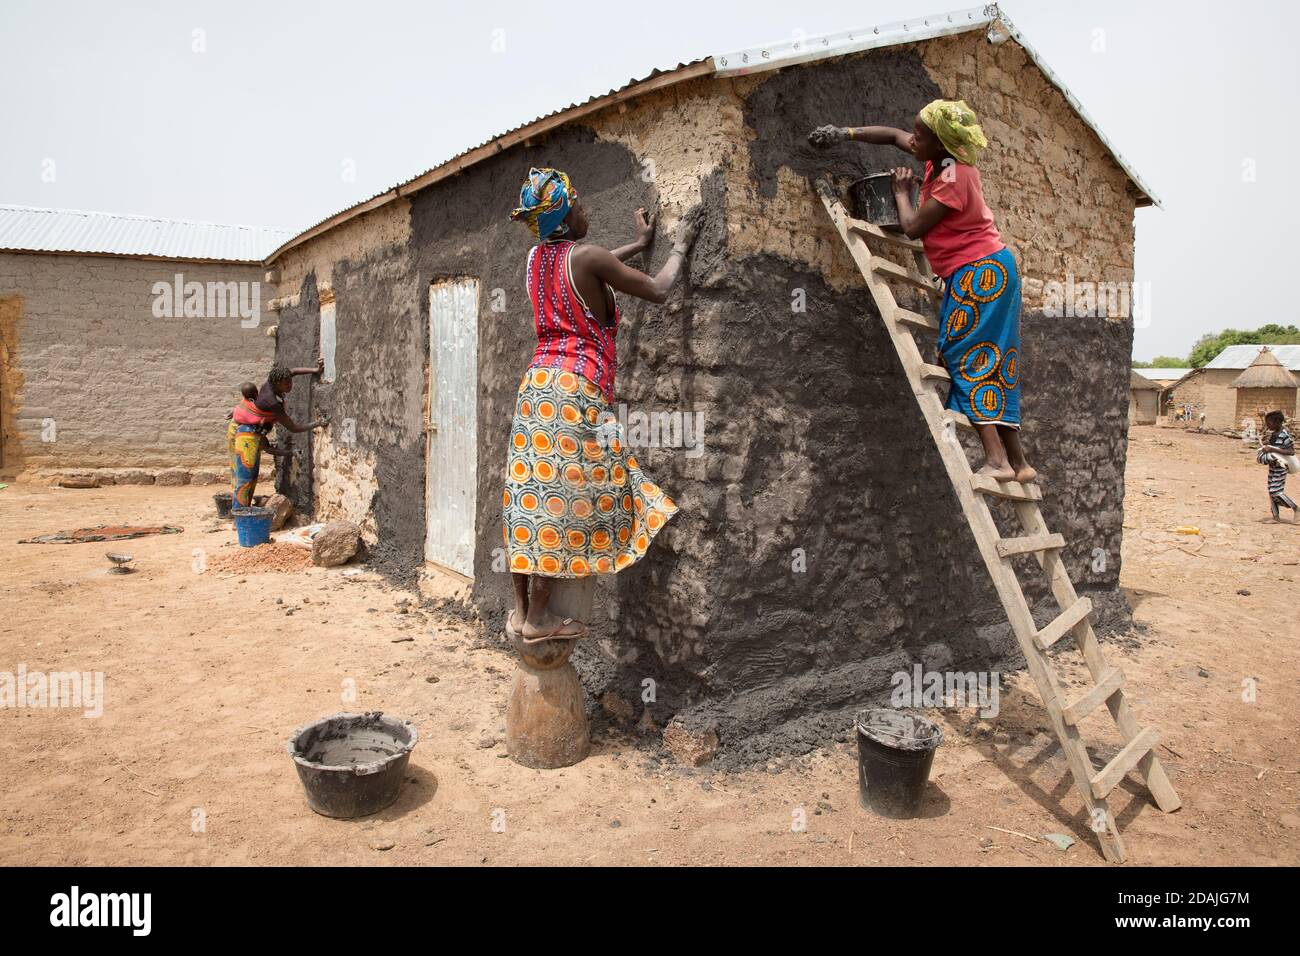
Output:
x=1162 y=374
x=1240 y=356
x=794 y=50
x=741 y=61
x=30 y=229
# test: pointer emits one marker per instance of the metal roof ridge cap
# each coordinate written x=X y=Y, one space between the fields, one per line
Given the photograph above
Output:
x=789 y=52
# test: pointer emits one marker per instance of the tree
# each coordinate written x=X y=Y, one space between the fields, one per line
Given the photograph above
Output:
x=1164 y=361
x=1208 y=346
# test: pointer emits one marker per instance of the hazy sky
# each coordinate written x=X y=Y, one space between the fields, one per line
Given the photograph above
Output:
x=281 y=113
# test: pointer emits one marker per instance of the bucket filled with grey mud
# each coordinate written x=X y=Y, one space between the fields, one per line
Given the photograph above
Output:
x=895 y=751
x=352 y=764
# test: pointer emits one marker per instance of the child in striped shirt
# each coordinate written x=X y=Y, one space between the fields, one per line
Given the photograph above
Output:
x=1275 y=447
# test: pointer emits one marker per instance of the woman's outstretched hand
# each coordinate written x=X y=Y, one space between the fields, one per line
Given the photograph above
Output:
x=825 y=136
x=644 y=226
x=688 y=229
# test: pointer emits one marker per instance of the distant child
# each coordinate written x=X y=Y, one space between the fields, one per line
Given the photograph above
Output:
x=1277 y=450
x=979 y=322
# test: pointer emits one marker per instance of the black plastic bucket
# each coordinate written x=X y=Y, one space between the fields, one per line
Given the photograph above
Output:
x=351 y=765
x=895 y=751
x=872 y=199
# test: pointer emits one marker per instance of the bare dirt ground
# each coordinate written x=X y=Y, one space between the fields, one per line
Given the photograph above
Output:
x=207 y=671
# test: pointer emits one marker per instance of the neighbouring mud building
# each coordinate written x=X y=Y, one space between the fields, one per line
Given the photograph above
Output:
x=1144 y=399
x=819 y=548
x=123 y=340
x=1213 y=390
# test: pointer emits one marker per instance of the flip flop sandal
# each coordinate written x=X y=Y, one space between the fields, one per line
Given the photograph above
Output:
x=555 y=635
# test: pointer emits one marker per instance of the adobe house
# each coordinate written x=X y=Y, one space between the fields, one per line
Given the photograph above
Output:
x=819 y=548
x=1144 y=400
x=1209 y=390
x=123 y=340
x=1265 y=387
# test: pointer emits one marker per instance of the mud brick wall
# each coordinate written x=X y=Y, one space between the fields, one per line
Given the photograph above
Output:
x=819 y=547
x=1210 y=393
x=123 y=388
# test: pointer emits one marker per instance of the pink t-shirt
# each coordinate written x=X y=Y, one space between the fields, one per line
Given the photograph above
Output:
x=967 y=233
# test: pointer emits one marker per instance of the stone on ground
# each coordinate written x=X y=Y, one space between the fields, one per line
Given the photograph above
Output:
x=336 y=544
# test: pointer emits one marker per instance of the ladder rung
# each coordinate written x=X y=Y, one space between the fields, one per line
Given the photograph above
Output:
x=1124 y=761
x=1064 y=623
x=916 y=320
x=1034 y=542
x=871 y=229
x=1005 y=489
x=934 y=373
x=892 y=270
x=957 y=418
x=1086 y=703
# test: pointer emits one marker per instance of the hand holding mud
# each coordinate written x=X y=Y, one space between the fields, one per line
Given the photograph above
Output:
x=644 y=226
x=826 y=136
x=688 y=229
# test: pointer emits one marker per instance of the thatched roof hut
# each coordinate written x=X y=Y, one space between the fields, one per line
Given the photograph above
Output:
x=1265 y=386
x=1265 y=372
x=1143 y=399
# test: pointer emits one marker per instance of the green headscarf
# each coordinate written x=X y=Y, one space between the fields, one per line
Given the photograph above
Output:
x=957 y=128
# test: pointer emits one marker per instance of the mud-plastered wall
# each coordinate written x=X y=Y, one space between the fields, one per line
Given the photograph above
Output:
x=367 y=465
x=819 y=543
x=102 y=372
x=819 y=547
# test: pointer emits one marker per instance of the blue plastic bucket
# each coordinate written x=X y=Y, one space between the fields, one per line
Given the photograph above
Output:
x=253 y=525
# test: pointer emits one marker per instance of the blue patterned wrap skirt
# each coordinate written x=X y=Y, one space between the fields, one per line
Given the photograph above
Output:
x=979 y=339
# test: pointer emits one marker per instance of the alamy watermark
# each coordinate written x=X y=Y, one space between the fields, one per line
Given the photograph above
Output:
x=179 y=299
x=920 y=688
x=24 y=689
x=637 y=429
x=1076 y=298
x=75 y=908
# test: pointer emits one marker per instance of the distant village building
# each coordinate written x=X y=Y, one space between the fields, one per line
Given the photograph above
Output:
x=123 y=339
x=1264 y=387
x=1143 y=400
x=1210 y=390
x=1165 y=379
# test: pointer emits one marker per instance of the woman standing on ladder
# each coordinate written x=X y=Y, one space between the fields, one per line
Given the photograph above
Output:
x=979 y=317
x=575 y=502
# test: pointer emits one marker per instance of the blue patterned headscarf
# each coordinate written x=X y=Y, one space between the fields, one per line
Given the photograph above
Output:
x=544 y=201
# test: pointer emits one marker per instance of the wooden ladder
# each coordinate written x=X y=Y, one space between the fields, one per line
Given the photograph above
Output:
x=972 y=491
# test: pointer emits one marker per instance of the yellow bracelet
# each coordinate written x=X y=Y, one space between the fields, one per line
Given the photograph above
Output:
x=850 y=129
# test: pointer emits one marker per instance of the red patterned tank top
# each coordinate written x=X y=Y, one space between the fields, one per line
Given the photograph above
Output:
x=568 y=335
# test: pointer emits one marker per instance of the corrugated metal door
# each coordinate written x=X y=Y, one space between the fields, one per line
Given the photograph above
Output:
x=452 y=465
